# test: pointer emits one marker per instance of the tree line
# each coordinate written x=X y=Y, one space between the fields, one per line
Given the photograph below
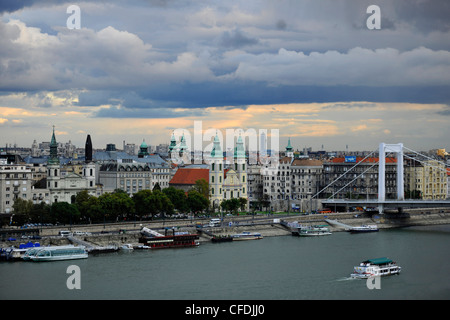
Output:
x=112 y=207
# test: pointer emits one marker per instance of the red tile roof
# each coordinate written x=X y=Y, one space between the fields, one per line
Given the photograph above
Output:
x=189 y=176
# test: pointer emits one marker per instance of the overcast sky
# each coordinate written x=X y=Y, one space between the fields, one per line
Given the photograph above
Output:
x=312 y=69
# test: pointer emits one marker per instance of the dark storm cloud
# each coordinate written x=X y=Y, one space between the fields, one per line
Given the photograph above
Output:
x=14 y=5
x=425 y=15
x=185 y=54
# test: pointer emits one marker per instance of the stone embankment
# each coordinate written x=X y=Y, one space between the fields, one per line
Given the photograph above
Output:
x=123 y=233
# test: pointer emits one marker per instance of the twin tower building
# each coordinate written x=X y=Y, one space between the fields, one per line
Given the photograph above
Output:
x=63 y=187
x=231 y=182
x=227 y=178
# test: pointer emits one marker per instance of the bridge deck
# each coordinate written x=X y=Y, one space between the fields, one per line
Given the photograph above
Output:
x=388 y=203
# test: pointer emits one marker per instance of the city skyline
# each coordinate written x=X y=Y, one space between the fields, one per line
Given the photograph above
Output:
x=311 y=69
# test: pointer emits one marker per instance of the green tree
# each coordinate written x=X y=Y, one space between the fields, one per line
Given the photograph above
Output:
x=230 y=205
x=152 y=202
x=81 y=201
x=141 y=203
x=40 y=212
x=202 y=186
x=197 y=202
x=116 y=205
x=242 y=203
x=65 y=213
x=95 y=212
x=22 y=209
x=177 y=197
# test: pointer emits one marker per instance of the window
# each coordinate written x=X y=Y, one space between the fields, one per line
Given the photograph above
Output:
x=212 y=179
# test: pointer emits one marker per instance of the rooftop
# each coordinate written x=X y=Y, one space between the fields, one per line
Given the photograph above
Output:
x=189 y=175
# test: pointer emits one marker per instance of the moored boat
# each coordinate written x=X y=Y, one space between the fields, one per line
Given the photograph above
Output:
x=32 y=251
x=216 y=239
x=127 y=247
x=56 y=253
x=151 y=239
x=311 y=231
x=363 y=229
x=376 y=267
x=246 y=236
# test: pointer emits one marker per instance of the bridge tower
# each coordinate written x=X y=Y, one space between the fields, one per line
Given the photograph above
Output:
x=398 y=149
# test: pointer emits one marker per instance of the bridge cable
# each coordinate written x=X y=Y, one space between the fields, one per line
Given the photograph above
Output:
x=343 y=174
x=376 y=163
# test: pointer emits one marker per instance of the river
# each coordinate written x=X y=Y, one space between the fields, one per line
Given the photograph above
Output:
x=273 y=268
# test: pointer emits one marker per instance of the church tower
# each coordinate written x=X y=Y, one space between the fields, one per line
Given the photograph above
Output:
x=173 y=144
x=89 y=166
x=143 y=150
x=289 y=149
x=216 y=173
x=240 y=166
x=53 y=167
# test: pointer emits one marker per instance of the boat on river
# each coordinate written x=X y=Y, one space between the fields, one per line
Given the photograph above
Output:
x=363 y=229
x=375 y=267
x=311 y=231
x=151 y=239
x=217 y=239
x=246 y=236
x=56 y=253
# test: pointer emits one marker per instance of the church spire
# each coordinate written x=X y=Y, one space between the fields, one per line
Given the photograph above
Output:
x=53 y=150
x=88 y=149
x=239 y=151
x=289 y=149
x=216 y=150
x=173 y=143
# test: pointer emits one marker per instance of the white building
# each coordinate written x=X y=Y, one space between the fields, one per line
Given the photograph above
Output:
x=62 y=187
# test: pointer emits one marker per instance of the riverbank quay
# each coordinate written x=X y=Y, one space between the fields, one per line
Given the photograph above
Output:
x=114 y=235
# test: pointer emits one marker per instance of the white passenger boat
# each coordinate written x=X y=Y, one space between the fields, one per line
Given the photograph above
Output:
x=127 y=247
x=56 y=253
x=246 y=236
x=375 y=267
x=363 y=228
x=310 y=231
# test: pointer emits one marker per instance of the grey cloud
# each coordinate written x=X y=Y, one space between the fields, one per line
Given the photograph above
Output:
x=236 y=39
x=155 y=113
x=281 y=24
x=425 y=15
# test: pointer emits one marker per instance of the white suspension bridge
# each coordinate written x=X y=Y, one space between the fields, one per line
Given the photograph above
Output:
x=381 y=202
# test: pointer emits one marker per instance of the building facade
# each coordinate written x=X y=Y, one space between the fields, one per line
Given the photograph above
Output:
x=357 y=181
x=231 y=181
x=427 y=180
x=64 y=186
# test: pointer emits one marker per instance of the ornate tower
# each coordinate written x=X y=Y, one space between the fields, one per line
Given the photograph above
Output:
x=88 y=149
x=173 y=143
x=89 y=166
x=53 y=167
x=240 y=166
x=143 y=149
x=289 y=149
x=216 y=173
